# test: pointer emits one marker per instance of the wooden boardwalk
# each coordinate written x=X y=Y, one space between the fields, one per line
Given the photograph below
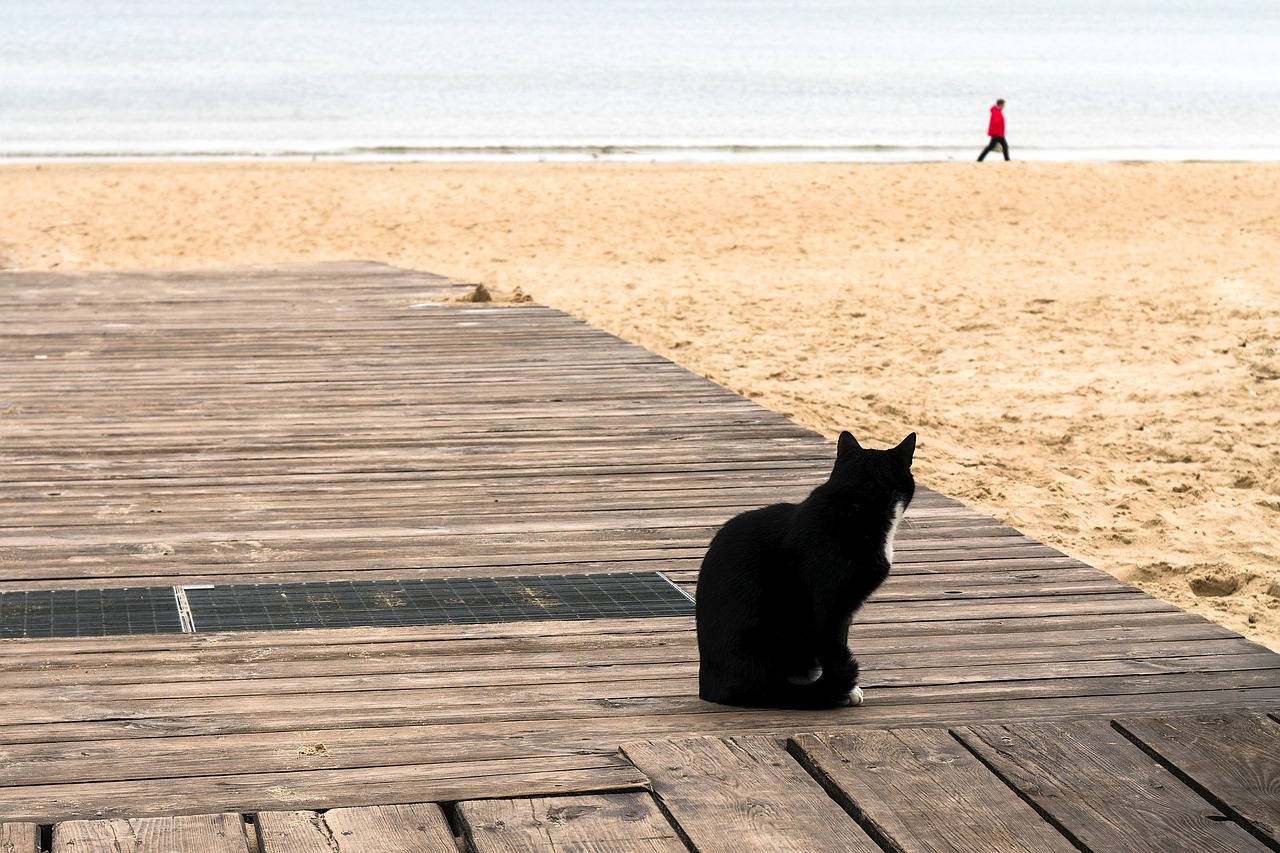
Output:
x=349 y=422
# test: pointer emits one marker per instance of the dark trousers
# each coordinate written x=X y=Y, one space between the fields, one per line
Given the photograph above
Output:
x=991 y=146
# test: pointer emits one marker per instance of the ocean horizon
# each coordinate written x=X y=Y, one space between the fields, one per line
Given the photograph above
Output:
x=631 y=81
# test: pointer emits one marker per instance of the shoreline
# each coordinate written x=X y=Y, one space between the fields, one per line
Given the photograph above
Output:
x=710 y=155
x=1089 y=351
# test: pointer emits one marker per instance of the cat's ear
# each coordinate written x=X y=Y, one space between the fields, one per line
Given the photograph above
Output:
x=847 y=445
x=905 y=451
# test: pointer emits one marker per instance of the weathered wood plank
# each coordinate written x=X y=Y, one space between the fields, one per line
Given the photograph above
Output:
x=618 y=823
x=402 y=557
x=208 y=833
x=323 y=789
x=1232 y=760
x=292 y=832
x=251 y=654
x=1100 y=789
x=411 y=828
x=744 y=793
x=655 y=696
x=560 y=687
x=920 y=790
x=632 y=659
x=19 y=838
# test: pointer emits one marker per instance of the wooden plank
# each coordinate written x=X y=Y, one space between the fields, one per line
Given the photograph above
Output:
x=250 y=654
x=1101 y=790
x=19 y=838
x=618 y=823
x=401 y=557
x=633 y=659
x=448 y=694
x=102 y=655
x=247 y=655
x=987 y=669
x=88 y=675
x=74 y=503
x=744 y=793
x=565 y=669
x=211 y=833
x=324 y=789
x=410 y=828
x=655 y=696
x=920 y=790
x=292 y=832
x=1232 y=760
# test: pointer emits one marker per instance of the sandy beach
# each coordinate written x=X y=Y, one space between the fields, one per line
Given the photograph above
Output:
x=1089 y=352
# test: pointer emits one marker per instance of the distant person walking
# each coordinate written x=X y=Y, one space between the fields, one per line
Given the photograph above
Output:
x=995 y=129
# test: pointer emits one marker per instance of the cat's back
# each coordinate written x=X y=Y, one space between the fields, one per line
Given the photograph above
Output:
x=752 y=531
x=743 y=551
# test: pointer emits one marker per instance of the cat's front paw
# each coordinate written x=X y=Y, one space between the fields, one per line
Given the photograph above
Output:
x=855 y=698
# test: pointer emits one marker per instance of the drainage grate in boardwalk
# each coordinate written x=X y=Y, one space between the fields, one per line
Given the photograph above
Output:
x=347 y=604
x=88 y=612
x=437 y=601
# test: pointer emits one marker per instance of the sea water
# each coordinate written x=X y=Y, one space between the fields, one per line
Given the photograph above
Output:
x=639 y=79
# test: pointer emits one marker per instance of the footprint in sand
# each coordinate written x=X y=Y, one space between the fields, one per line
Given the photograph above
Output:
x=1216 y=582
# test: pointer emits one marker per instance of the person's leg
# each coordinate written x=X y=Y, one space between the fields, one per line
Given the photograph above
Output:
x=1004 y=146
x=985 y=151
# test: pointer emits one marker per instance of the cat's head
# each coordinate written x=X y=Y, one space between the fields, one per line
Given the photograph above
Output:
x=875 y=476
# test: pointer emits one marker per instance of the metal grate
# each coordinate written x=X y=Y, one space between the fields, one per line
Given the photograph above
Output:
x=344 y=604
x=88 y=612
x=436 y=601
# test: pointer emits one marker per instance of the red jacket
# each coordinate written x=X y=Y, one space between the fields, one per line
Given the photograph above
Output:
x=996 y=127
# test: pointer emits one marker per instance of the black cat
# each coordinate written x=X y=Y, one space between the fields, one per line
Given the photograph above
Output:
x=779 y=585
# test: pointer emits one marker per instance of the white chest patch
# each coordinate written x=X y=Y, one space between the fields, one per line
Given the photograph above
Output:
x=893 y=531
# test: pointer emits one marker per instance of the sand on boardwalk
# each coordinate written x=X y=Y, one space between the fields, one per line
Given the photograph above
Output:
x=1089 y=352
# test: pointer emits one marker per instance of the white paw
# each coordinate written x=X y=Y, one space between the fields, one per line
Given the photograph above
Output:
x=856 y=697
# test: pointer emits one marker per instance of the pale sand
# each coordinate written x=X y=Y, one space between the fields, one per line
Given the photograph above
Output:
x=1090 y=353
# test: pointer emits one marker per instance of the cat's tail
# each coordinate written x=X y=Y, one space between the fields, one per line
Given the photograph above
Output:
x=837 y=685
